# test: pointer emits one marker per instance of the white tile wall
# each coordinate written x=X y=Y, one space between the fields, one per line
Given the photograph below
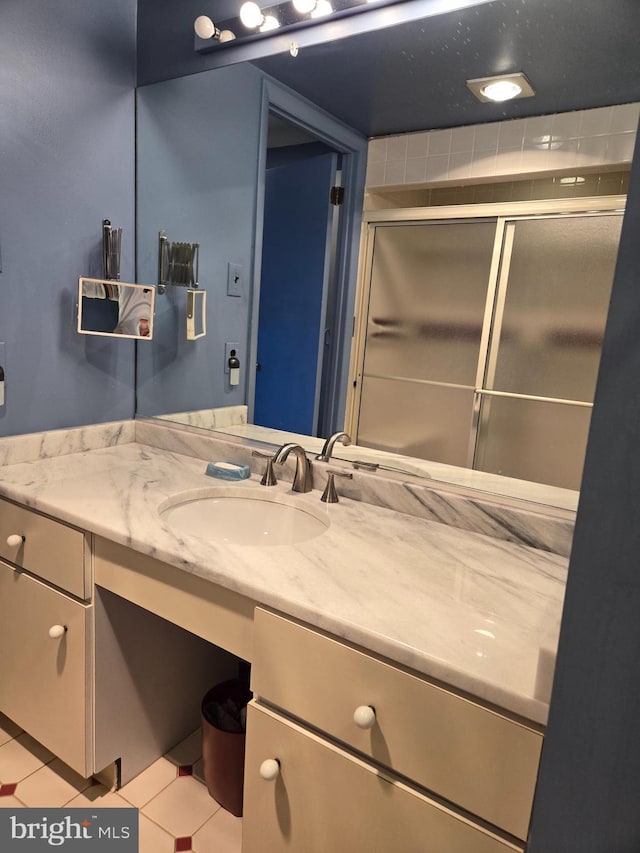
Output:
x=566 y=141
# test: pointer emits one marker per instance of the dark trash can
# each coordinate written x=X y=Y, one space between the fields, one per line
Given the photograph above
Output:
x=223 y=742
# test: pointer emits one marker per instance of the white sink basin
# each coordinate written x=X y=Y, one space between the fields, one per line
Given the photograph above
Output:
x=243 y=515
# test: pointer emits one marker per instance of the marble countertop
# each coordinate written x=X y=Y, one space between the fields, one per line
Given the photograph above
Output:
x=477 y=613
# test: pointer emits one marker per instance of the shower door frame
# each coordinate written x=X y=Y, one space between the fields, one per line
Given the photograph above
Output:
x=504 y=215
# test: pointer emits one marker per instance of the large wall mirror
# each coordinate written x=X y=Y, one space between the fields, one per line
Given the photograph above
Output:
x=245 y=169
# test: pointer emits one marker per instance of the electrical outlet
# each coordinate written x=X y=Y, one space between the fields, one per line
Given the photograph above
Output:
x=227 y=354
x=234 y=280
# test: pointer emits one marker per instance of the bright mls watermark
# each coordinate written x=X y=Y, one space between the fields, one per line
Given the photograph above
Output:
x=74 y=830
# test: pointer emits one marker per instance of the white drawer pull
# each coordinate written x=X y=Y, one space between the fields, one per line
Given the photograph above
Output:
x=15 y=540
x=57 y=631
x=364 y=716
x=270 y=769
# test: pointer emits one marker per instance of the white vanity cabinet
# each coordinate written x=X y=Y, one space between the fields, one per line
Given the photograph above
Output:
x=46 y=633
x=374 y=757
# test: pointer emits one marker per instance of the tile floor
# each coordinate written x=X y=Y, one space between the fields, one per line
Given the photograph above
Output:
x=176 y=811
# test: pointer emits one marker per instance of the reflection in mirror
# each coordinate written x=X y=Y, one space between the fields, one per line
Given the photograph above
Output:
x=107 y=307
x=495 y=179
x=480 y=337
x=196 y=314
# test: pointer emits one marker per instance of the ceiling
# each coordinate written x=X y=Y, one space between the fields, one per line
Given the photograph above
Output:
x=577 y=54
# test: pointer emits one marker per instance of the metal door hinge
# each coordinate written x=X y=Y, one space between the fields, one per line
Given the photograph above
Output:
x=337 y=195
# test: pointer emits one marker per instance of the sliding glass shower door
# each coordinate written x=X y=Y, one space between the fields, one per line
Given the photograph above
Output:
x=424 y=331
x=483 y=339
x=545 y=347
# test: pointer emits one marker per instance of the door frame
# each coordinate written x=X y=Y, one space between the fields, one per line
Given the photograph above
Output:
x=286 y=104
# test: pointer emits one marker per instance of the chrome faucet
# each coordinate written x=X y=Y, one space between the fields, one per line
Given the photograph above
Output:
x=327 y=448
x=303 y=479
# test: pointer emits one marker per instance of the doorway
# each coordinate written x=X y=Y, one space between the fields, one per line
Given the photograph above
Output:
x=295 y=316
x=321 y=395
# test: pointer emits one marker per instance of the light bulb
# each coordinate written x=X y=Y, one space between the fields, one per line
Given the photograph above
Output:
x=226 y=35
x=323 y=7
x=501 y=90
x=304 y=6
x=251 y=15
x=205 y=28
x=270 y=23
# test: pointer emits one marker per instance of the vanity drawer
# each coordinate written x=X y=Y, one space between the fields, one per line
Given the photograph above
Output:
x=468 y=754
x=326 y=800
x=50 y=549
x=44 y=681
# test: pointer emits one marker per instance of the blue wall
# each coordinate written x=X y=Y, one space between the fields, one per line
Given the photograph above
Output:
x=198 y=143
x=67 y=78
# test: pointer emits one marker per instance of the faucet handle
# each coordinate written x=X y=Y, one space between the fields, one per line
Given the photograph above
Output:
x=269 y=477
x=330 y=495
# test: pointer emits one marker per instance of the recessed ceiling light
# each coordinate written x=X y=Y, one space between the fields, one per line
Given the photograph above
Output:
x=504 y=87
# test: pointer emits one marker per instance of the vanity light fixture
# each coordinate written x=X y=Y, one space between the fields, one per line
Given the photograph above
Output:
x=270 y=23
x=257 y=20
x=252 y=17
x=206 y=29
x=322 y=8
x=304 y=6
x=503 y=87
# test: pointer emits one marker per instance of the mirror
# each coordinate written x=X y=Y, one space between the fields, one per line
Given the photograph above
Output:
x=115 y=308
x=187 y=160
x=196 y=314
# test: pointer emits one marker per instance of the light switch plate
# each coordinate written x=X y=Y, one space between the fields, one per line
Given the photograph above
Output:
x=234 y=280
x=3 y=365
x=227 y=354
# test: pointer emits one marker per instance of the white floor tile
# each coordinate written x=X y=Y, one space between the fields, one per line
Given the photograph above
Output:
x=21 y=757
x=170 y=806
x=149 y=783
x=99 y=796
x=52 y=786
x=8 y=729
x=183 y=807
x=10 y=803
x=222 y=833
x=153 y=839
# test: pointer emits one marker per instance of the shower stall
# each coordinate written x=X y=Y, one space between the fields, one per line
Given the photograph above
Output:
x=479 y=332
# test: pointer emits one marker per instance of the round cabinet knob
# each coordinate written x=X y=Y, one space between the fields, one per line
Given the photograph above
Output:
x=364 y=717
x=270 y=769
x=15 y=540
x=57 y=631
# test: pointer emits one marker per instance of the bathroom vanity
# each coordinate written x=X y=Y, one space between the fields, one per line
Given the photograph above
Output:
x=401 y=668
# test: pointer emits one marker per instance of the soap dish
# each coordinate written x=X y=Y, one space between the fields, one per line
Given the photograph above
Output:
x=228 y=471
